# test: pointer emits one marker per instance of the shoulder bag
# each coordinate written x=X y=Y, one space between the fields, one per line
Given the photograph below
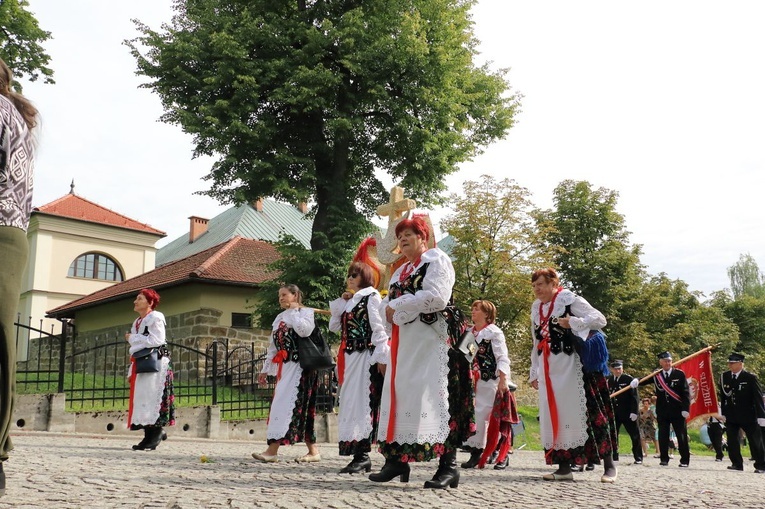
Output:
x=314 y=352
x=147 y=360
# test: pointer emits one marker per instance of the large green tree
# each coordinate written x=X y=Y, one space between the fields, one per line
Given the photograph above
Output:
x=21 y=40
x=300 y=99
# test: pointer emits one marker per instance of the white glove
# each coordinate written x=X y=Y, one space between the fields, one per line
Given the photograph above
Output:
x=761 y=421
x=633 y=417
x=684 y=414
x=634 y=384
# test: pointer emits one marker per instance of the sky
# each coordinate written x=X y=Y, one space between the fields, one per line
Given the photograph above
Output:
x=660 y=101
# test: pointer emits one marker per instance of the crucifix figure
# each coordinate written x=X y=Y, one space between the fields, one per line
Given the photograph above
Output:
x=387 y=247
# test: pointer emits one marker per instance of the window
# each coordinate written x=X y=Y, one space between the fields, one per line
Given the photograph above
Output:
x=95 y=266
x=241 y=320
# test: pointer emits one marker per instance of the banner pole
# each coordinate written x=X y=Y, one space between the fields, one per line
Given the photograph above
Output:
x=648 y=377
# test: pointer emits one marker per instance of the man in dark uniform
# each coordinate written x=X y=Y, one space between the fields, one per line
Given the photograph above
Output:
x=673 y=401
x=625 y=408
x=742 y=406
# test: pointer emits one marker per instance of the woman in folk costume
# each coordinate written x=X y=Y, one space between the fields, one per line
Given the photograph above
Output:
x=361 y=360
x=293 y=408
x=152 y=402
x=493 y=365
x=420 y=415
x=576 y=419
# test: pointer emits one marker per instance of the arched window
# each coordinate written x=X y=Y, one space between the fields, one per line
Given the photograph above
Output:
x=95 y=266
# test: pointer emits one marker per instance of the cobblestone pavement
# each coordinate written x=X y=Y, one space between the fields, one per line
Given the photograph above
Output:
x=71 y=471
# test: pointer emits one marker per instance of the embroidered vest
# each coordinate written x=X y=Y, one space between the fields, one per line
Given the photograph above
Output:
x=357 y=329
x=285 y=339
x=412 y=285
x=561 y=340
x=486 y=361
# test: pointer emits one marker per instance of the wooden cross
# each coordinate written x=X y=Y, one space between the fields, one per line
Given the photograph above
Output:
x=397 y=205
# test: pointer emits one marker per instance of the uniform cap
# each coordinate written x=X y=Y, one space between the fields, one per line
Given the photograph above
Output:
x=617 y=363
x=664 y=355
x=735 y=357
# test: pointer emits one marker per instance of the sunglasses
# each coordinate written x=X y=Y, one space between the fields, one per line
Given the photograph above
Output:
x=353 y=275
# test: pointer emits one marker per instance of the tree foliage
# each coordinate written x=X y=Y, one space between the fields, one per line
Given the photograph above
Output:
x=593 y=253
x=746 y=279
x=496 y=246
x=309 y=99
x=21 y=40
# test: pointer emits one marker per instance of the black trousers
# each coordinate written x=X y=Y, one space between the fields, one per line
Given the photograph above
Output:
x=681 y=432
x=753 y=436
x=715 y=431
x=632 y=429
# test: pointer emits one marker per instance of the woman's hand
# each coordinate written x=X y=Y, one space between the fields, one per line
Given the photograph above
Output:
x=563 y=321
x=389 y=314
x=346 y=295
x=127 y=336
x=502 y=386
x=381 y=368
x=262 y=378
x=535 y=384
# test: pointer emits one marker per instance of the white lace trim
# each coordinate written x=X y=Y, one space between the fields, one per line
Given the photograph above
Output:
x=285 y=399
x=147 y=395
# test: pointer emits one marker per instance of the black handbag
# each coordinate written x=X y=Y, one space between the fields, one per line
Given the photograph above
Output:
x=147 y=360
x=314 y=352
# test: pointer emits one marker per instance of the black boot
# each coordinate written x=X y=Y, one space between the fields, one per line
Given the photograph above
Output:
x=475 y=457
x=503 y=464
x=392 y=468
x=493 y=457
x=2 y=480
x=360 y=462
x=140 y=446
x=154 y=438
x=447 y=473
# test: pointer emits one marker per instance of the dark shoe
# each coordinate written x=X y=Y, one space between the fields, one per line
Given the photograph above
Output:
x=360 y=462
x=756 y=471
x=475 y=457
x=590 y=467
x=164 y=436
x=391 y=469
x=718 y=459
x=2 y=480
x=615 y=457
x=683 y=465
x=140 y=446
x=502 y=464
x=638 y=462
x=446 y=474
x=578 y=468
x=664 y=463
x=154 y=438
x=492 y=458
x=736 y=467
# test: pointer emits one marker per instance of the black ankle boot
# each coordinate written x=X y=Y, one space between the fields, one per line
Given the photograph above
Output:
x=475 y=457
x=447 y=473
x=503 y=464
x=392 y=468
x=153 y=438
x=140 y=446
x=493 y=457
x=360 y=462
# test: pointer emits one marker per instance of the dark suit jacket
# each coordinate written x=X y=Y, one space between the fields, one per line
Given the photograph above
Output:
x=668 y=408
x=741 y=399
x=624 y=404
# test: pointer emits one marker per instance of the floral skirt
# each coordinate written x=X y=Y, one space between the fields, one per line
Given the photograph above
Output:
x=601 y=426
x=301 y=427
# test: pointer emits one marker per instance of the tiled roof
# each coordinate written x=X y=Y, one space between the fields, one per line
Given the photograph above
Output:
x=76 y=207
x=238 y=261
x=269 y=225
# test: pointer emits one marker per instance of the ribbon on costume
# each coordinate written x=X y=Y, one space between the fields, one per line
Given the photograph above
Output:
x=672 y=394
x=393 y=356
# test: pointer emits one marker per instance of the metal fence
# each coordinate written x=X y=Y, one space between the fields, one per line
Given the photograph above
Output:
x=94 y=376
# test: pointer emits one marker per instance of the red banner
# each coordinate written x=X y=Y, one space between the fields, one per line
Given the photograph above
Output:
x=698 y=371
